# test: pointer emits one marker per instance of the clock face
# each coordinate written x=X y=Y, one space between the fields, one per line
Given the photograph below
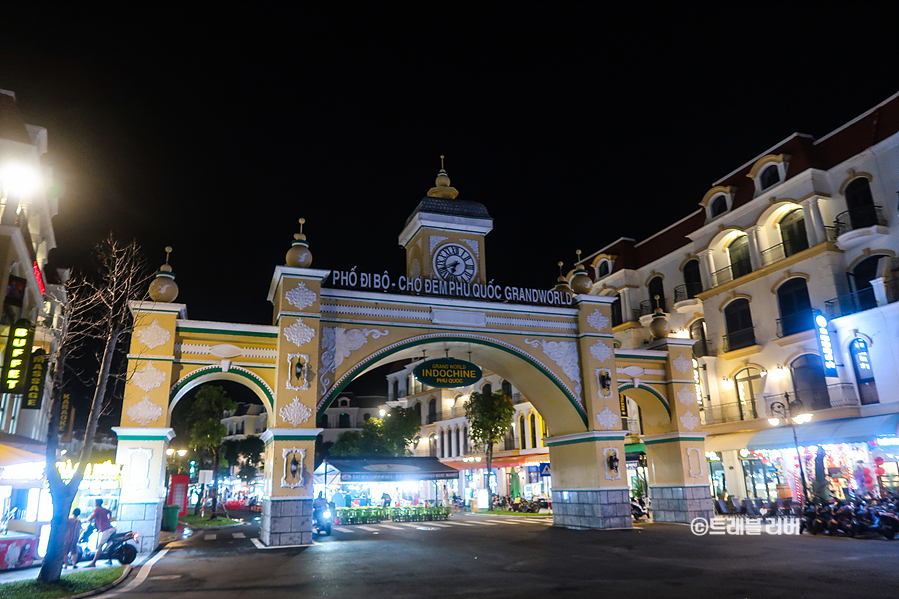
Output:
x=453 y=262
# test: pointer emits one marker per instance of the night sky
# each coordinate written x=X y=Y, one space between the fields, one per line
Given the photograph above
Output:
x=213 y=129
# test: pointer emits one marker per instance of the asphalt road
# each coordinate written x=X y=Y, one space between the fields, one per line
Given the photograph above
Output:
x=499 y=557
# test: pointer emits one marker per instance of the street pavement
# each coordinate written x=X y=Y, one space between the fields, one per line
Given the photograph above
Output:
x=499 y=557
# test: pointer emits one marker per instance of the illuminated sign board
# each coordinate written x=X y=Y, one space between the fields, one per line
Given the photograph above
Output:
x=825 y=345
x=39 y=277
x=447 y=373
x=859 y=350
x=15 y=360
x=37 y=374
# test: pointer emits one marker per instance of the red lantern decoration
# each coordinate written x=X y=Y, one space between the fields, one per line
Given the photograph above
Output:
x=867 y=471
x=868 y=479
x=879 y=471
x=878 y=460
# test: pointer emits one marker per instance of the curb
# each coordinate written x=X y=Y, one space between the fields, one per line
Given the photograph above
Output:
x=196 y=528
x=109 y=586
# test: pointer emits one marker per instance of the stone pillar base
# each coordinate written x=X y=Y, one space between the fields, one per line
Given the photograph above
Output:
x=286 y=522
x=599 y=509
x=142 y=518
x=680 y=504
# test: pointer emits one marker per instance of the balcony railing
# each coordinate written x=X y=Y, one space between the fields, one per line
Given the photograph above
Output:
x=857 y=301
x=687 y=291
x=859 y=218
x=783 y=250
x=731 y=272
x=703 y=347
x=738 y=339
x=729 y=412
x=649 y=306
x=809 y=400
x=797 y=322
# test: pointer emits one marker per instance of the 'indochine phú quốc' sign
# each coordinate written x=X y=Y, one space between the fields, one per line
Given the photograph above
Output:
x=447 y=373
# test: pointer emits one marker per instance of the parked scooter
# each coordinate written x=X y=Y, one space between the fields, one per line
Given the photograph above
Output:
x=637 y=510
x=120 y=546
x=322 y=521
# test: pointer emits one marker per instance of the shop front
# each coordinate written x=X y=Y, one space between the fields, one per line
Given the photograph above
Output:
x=522 y=476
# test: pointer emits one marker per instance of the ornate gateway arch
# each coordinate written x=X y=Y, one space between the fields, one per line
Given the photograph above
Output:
x=330 y=327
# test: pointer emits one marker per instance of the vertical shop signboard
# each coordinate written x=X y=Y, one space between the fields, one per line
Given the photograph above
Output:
x=15 y=359
x=37 y=374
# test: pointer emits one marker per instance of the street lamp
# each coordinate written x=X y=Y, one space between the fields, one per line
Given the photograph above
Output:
x=17 y=179
x=784 y=409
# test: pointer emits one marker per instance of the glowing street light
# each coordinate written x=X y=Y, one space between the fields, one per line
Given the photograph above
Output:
x=784 y=409
x=182 y=453
x=169 y=452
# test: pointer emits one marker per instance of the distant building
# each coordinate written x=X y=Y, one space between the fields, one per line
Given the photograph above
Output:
x=348 y=412
x=247 y=420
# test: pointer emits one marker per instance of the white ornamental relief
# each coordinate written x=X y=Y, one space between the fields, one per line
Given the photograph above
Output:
x=300 y=296
x=474 y=245
x=563 y=353
x=148 y=378
x=694 y=458
x=682 y=364
x=299 y=333
x=144 y=412
x=689 y=421
x=337 y=345
x=598 y=320
x=601 y=351
x=296 y=413
x=435 y=239
x=687 y=396
x=153 y=336
x=608 y=419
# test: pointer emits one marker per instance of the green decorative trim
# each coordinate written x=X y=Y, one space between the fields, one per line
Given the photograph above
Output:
x=140 y=438
x=652 y=391
x=271 y=440
x=227 y=332
x=575 y=441
x=672 y=440
x=431 y=327
x=619 y=354
x=212 y=370
x=361 y=366
x=491 y=303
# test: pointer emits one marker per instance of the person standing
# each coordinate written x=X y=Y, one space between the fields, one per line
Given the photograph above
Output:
x=73 y=532
x=101 y=519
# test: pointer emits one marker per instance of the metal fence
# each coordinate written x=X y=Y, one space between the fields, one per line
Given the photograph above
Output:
x=738 y=339
x=729 y=412
x=687 y=291
x=730 y=272
x=859 y=218
x=790 y=324
x=857 y=301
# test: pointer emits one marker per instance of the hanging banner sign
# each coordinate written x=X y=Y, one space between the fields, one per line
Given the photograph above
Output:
x=825 y=345
x=64 y=414
x=37 y=374
x=15 y=360
x=432 y=286
x=447 y=373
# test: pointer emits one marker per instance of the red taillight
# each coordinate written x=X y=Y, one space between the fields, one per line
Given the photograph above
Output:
x=134 y=535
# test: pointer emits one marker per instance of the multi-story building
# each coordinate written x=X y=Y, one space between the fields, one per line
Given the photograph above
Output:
x=808 y=227
x=245 y=421
x=348 y=413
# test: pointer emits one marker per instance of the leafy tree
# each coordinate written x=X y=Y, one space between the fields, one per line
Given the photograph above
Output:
x=489 y=417
x=207 y=430
x=380 y=437
x=95 y=315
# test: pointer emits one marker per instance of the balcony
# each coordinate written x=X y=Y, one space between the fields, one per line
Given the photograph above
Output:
x=733 y=271
x=859 y=218
x=851 y=303
x=647 y=307
x=686 y=292
x=783 y=250
x=738 y=339
x=838 y=395
x=797 y=322
x=729 y=412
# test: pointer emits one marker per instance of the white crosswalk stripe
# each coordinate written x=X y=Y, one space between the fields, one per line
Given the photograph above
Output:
x=342 y=529
x=457 y=523
x=482 y=523
x=439 y=524
x=506 y=521
x=238 y=535
x=368 y=528
x=391 y=526
x=209 y=537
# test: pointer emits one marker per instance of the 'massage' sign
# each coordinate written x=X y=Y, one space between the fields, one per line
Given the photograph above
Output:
x=447 y=373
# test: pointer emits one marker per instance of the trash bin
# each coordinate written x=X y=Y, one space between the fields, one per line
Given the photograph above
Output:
x=170 y=518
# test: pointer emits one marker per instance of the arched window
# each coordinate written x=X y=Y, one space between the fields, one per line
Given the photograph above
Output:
x=769 y=177
x=809 y=383
x=864 y=374
x=396 y=389
x=465 y=445
x=603 y=269
x=432 y=410
x=459 y=449
x=417 y=408
x=738 y=321
x=344 y=420
x=509 y=440
x=795 y=307
x=738 y=253
x=792 y=232
x=366 y=416
x=656 y=288
x=748 y=384
x=617 y=316
x=344 y=402
x=697 y=331
x=692 y=279
x=507 y=388
x=522 y=432
x=719 y=206
x=860 y=202
x=487 y=389
x=323 y=421
x=861 y=277
x=533 y=430
x=442 y=444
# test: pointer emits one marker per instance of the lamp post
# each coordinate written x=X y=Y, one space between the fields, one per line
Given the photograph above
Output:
x=784 y=409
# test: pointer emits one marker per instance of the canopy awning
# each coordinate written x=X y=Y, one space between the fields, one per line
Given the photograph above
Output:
x=354 y=470
x=731 y=441
x=10 y=456
x=827 y=432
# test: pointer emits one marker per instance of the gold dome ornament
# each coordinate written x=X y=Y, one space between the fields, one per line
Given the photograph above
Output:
x=443 y=189
x=164 y=288
x=658 y=327
x=562 y=283
x=581 y=282
x=299 y=256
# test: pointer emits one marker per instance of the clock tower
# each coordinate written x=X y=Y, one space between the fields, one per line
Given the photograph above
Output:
x=444 y=236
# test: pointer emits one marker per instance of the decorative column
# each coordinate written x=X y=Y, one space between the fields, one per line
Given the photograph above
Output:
x=589 y=474
x=706 y=268
x=627 y=311
x=755 y=252
x=678 y=471
x=814 y=222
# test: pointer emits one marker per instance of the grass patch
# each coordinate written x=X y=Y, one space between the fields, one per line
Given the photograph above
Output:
x=198 y=522
x=507 y=513
x=70 y=584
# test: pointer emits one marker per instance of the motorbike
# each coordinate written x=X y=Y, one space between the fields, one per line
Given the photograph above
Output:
x=322 y=521
x=120 y=546
x=637 y=510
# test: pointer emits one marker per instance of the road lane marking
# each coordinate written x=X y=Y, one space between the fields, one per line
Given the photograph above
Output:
x=441 y=525
x=413 y=524
x=481 y=523
x=342 y=529
x=259 y=545
x=238 y=535
x=392 y=527
x=210 y=537
x=459 y=523
x=141 y=575
x=504 y=521
x=368 y=528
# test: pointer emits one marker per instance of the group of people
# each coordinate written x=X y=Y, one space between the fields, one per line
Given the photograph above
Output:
x=101 y=519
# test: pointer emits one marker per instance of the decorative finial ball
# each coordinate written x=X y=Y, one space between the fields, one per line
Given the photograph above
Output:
x=164 y=288
x=168 y=249
x=581 y=283
x=443 y=180
x=302 y=221
x=299 y=256
x=659 y=327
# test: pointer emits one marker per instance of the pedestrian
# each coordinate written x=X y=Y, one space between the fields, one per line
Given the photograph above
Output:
x=100 y=518
x=73 y=532
x=385 y=499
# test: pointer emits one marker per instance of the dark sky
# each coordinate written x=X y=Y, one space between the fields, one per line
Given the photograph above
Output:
x=213 y=129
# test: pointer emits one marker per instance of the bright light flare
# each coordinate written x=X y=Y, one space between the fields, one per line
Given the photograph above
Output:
x=19 y=179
